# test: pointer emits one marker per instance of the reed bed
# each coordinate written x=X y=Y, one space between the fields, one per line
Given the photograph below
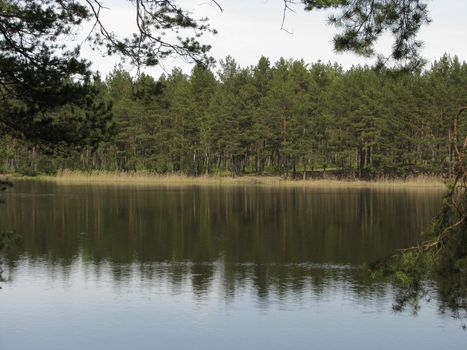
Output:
x=146 y=178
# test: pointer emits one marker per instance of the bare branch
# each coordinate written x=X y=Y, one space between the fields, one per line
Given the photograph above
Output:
x=218 y=5
x=287 y=8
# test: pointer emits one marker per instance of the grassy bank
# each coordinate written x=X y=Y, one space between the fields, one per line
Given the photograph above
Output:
x=142 y=178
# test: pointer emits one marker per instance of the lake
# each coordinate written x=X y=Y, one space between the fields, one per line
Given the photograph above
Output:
x=199 y=267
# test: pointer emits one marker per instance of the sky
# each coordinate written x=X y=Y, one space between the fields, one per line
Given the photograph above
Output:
x=249 y=29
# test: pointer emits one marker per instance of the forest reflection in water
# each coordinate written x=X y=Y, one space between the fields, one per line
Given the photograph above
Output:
x=111 y=258
x=277 y=238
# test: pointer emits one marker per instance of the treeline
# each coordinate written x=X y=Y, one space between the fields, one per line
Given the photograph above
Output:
x=289 y=118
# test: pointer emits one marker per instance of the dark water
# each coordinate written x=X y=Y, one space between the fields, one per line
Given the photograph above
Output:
x=212 y=268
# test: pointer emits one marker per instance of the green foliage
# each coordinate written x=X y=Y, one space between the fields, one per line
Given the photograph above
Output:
x=441 y=258
x=47 y=91
x=289 y=118
x=362 y=22
x=261 y=119
x=407 y=269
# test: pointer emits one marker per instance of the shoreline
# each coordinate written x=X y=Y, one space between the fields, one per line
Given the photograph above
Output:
x=148 y=179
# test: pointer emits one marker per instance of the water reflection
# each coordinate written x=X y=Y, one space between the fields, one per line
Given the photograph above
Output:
x=253 y=225
x=275 y=240
x=211 y=264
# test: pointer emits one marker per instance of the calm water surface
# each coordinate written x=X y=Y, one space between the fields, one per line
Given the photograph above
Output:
x=102 y=267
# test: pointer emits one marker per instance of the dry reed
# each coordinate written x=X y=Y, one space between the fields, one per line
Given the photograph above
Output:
x=147 y=178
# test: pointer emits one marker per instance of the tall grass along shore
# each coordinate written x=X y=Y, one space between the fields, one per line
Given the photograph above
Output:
x=146 y=178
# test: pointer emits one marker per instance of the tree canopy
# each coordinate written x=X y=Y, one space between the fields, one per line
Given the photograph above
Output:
x=41 y=72
x=289 y=118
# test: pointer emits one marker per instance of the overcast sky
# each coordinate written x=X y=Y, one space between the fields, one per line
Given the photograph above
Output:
x=249 y=29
